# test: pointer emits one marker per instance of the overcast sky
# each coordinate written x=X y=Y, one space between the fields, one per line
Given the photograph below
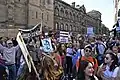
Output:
x=106 y=7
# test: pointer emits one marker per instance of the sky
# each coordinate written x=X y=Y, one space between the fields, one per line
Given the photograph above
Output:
x=106 y=7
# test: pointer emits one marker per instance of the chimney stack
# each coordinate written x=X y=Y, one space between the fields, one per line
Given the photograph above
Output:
x=77 y=6
x=73 y=4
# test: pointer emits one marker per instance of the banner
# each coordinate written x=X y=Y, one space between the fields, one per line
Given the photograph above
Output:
x=47 y=46
x=24 y=50
x=35 y=31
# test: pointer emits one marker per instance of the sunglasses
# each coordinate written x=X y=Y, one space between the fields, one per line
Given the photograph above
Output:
x=106 y=58
x=88 y=50
x=9 y=43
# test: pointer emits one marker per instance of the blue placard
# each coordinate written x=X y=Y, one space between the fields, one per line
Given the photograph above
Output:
x=90 y=31
x=47 y=46
x=118 y=28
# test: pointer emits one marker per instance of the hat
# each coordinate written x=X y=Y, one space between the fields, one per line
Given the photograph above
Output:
x=9 y=41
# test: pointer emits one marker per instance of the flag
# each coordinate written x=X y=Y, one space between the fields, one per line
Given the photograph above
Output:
x=64 y=37
x=24 y=50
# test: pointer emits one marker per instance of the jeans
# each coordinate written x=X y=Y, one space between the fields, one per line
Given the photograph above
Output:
x=69 y=65
x=12 y=72
x=2 y=72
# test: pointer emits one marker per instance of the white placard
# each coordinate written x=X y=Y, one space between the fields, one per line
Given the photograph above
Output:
x=63 y=40
x=24 y=50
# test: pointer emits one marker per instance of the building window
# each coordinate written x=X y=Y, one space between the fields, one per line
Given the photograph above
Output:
x=43 y=2
x=66 y=27
x=40 y=1
x=48 y=1
x=47 y=16
x=42 y=16
x=70 y=28
x=56 y=11
x=66 y=14
x=62 y=26
x=62 y=12
x=73 y=16
x=70 y=15
x=77 y=29
x=56 y=26
x=32 y=14
x=36 y=15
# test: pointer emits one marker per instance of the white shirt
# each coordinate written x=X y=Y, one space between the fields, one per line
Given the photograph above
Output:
x=108 y=73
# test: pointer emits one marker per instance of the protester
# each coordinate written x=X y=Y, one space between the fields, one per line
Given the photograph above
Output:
x=109 y=69
x=115 y=51
x=62 y=52
x=88 y=57
x=3 y=73
x=69 y=64
x=100 y=49
x=86 y=71
x=9 y=55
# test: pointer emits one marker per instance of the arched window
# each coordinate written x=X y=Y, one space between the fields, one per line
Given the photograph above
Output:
x=70 y=28
x=66 y=14
x=77 y=18
x=77 y=29
x=62 y=12
x=62 y=26
x=70 y=15
x=73 y=28
x=56 y=11
x=48 y=1
x=74 y=16
x=66 y=27
x=56 y=26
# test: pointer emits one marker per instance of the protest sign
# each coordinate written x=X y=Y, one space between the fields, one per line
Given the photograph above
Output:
x=64 y=37
x=90 y=31
x=24 y=50
x=47 y=46
x=26 y=54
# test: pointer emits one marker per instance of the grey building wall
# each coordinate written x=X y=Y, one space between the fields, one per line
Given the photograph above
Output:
x=15 y=14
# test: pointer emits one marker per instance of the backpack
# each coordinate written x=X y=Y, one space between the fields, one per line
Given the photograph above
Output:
x=97 y=50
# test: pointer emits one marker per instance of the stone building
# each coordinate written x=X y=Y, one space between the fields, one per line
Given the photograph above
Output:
x=94 y=21
x=54 y=14
x=74 y=18
x=15 y=14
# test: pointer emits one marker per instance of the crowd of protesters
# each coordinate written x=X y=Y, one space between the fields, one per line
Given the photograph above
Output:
x=83 y=58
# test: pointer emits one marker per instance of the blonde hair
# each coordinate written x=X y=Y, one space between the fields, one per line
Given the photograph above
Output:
x=48 y=69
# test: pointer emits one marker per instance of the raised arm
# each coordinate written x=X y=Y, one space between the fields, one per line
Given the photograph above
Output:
x=17 y=48
x=1 y=47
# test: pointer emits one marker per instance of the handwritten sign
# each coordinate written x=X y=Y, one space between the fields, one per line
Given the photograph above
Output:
x=47 y=46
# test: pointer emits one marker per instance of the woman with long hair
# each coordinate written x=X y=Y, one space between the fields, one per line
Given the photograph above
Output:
x=62 y=52
x=109 y=69
x=86 y=71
